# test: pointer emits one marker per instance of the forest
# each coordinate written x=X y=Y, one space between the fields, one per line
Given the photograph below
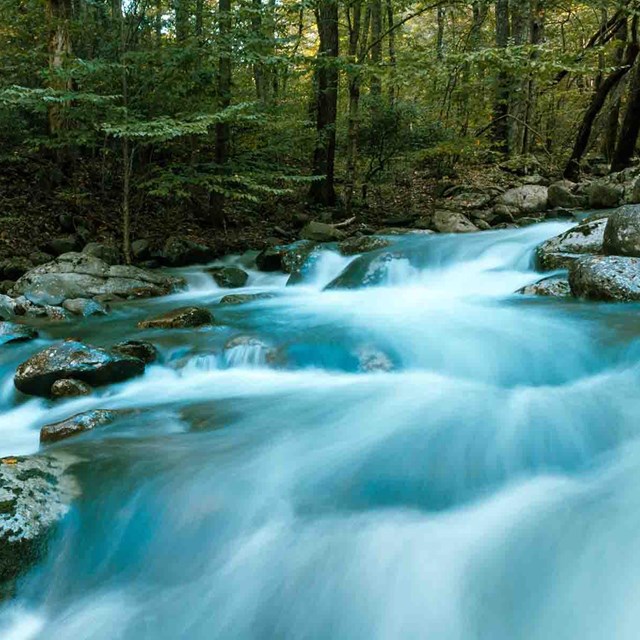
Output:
x=225 y=119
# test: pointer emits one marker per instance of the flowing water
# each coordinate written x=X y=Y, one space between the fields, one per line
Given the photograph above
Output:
x=419 y=454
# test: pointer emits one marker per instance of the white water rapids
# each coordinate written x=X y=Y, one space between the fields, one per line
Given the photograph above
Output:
x=483 y=484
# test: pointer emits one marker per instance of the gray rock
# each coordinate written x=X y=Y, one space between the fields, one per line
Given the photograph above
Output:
x=76 y=425
x=180 y=252
x=141 y=250
x=529 y=198
x=229 y=277
x=554 y=286
x=559 y=252
x=182 y=318
x=140 y=349
x=69 y=388
x=622 y=232
x=21 y=307
x=607 y=278
x=40 y=257
x=13 y=332
x=363 y=244
x=561 y=195
x=242 y=298
x=106 y=253
x=78 y=275
x=605 y=194
x=84 y=307
x=269 y=259
x=73 y=359
x=321 y=232
x=35 y=494
x=445 y=221
x=294 y=256
x=62 y=244
x=468 y=200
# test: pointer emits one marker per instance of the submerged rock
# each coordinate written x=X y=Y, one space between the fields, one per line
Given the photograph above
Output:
x=182 y=318
x=363 y=244
x=554 y=286
x=78 y=275
x=14 y=332
x=229 y=277
x=84 y=307
x=140 y=349
x=242 y=298
x=76 y=424
x=561 y=251
x=69 y=388
x=622 y=232
x=607 y=278
x=73 y=359
x=35 y=494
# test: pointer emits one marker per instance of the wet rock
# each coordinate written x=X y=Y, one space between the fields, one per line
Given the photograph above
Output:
x=140 y=349
x=561 y=195
x=182 y=318
x=445 y=221
x=395 y=231
x=62 y=244
x=84 y=307
x=106 y=253
x=69 y=388
x=321 y=232
x=180 y=252
x=76 y=425
x=554 y=286
x=605 y=194
x=561 y=251
x=21 y=307
x=269 y=259
x=13 y=332
x=607 y=278
x=73 y=359
x=229 y=277
x=529 y=198
x=622 y=232
x=250 y=350
x=78 y=275
x=242 y=298
x=13 y=268
x=363 y=244
x=294 y=256
x=35 y=494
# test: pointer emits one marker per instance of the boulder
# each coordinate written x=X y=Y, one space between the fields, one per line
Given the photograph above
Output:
x=140 y=349
x=62 y=244
x=294 y=256
x=79 y=275
x=363 y=244
x=529 y=198
x=561 y=195
x=321 y=232
x=607 y=278
x=140 y=250
x=182 y=318
x=229 y=277
x=242 y=298
x=21 y=307
x=76 y=424
x=180 y=252
x=622 y=232
x=554 y=286
x=559 y=252
x=74 y=359
x=69 y=388
x=445 y=221
x=468 y=200
x=39 y=257
x=269 y=259
x=13 y=268
x=35 y=494
x=84 y=307
x=605 y=194
x=107 y=253
x=13 y=332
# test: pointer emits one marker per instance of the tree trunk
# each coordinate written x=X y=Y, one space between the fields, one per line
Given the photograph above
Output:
x=613 y=119
x=224 y=81
x=392 y=54
x=537 y=37
x=59 y=16
x=181 y=13
x=322 y=191
x=518 y=91
x=440 y=14
x=501 y=107
x=630 y=125
x=376 y=50
x=572 y=169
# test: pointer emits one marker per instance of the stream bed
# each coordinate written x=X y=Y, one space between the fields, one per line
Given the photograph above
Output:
x=420 y=453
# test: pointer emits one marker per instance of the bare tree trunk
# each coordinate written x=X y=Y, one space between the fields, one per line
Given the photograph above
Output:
x=501 y=107
x=59 y=16
x=518 y=92
x=322 y=191
x=376 y=49
x=613 y=119
x=224 y=81
x=630 y=125
x=537 y=37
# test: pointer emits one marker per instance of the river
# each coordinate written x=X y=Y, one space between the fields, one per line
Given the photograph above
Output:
x=421 y=454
